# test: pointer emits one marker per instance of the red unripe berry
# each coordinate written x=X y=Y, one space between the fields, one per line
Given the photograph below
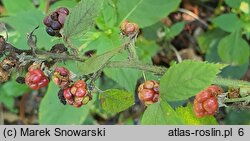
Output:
x=80 y=92
x=198 y=107
x=70 y=101
x=148 y=92
x=77 y=102
x=203 y=95
x=79 y=84
x=67 y=94
x=211 y=105
x=36 y=79
x=215 y=90
x=205 y=102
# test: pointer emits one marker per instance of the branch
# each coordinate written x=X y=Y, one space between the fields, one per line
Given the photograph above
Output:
x=137 y=65
x=61 y=56
x=230 y=82
x=242 y=99
x=132 y=63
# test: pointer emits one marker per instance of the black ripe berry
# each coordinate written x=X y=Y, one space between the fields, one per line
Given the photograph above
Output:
x=54 y=16
x=56 y=25
x=50 y=31
x=55 y=20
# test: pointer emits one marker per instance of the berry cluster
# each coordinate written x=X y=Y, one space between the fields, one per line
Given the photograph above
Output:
x=148 y=92
x=35 y=78
x=129 y=29
x=77 y=94
x=61 y=77
x=206 y=102
x=55 y=21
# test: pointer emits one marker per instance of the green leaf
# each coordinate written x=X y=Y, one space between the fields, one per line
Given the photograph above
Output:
x=175 y=29
x=235 y=72
x=145 y=12
x=95 y=63
x=63 y=3
x=102 y=43
x=82 y=17
x=188 y=117
x=25 y=22
x=150 y=32
x=15 y=6
x=228 y=22
x=51 y=111
x=160 y=113
x=108 y=16
x=115 y=100
x=233 y=49
x=210 y=38
x=8 y=101
x=237 y=117
x=126 y=78
x=9 y=91
x=235 y=3
x=186 y=79
x=146 y=49
x=13 y=89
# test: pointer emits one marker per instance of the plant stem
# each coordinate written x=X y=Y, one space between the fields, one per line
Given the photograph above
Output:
x=44 y=55
x=161 y=70
x=71 y=46
x=132 y=52
x=137 y=65
x=131 y=63
x=247 y=99
x=61 y=56
x=230 y=82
